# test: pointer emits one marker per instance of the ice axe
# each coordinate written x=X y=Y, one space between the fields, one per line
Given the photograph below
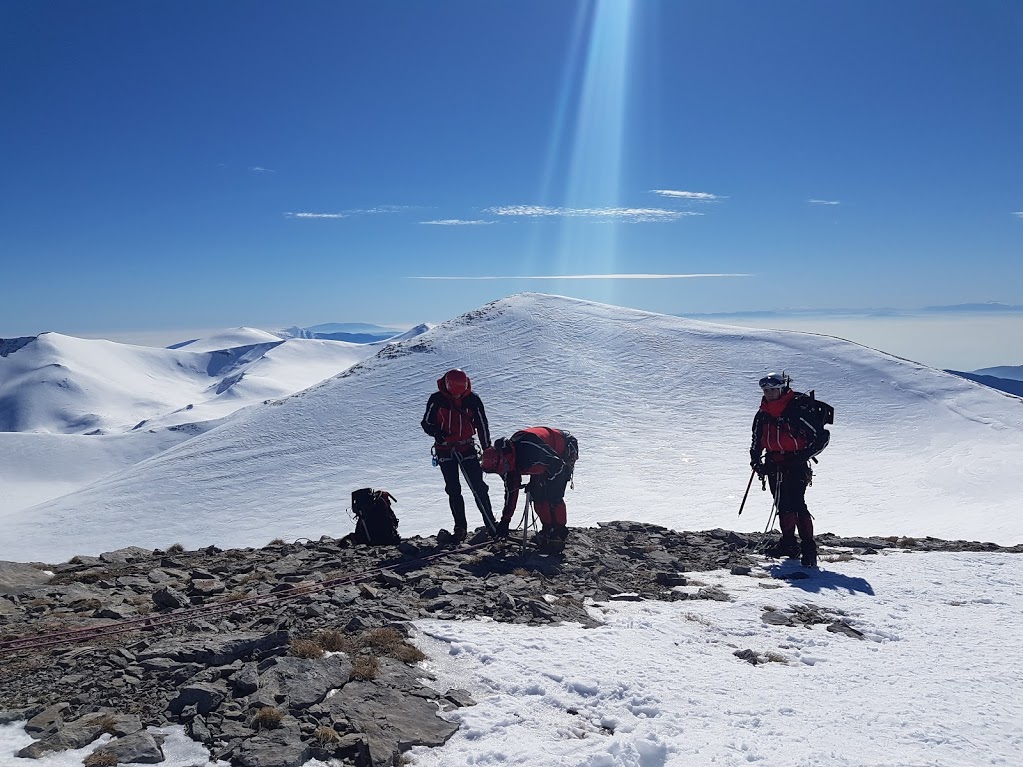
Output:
x=746 y=494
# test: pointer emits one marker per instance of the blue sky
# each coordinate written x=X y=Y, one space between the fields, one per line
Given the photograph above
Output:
x=193 y=164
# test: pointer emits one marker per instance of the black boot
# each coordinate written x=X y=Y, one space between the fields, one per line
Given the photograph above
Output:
x=783 y=547
x=808 y=551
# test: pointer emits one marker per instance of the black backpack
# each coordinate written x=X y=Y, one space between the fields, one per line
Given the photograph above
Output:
x=815 y=412
x=375 y=522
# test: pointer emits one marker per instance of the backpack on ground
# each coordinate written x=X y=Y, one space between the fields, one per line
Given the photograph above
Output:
x=375 y=521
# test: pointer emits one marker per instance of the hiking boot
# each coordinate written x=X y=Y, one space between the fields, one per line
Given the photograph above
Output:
x=560 y=532
x=458 y=535
x=808 y=556
x=547 y=541
x=783 y=547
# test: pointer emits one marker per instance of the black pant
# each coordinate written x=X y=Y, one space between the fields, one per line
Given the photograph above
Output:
x=792 y=496
x=792 y=512
x=470 y=467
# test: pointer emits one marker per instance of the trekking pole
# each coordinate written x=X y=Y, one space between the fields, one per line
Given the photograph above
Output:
x=774 y=505
x=526 y=518
x=748 y=486
x=488 y=521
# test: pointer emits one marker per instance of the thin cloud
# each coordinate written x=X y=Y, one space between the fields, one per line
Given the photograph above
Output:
x=316 y=215
x=692 y=196
x=588 y=277
x=257 y=169
x=457 y=222
x=825 y=202
x=380 y=209
x=1018 y=213
x=626 y=215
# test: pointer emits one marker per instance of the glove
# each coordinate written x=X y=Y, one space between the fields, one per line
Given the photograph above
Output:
x=502 y=529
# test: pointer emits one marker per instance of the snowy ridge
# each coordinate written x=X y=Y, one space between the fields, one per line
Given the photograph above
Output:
x=229 y=339
x=66 y=385
x=662 y=408
x=75 y=410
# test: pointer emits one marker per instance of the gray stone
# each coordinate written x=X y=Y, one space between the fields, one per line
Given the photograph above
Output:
x=245 y=681
x=16 y=578
x=273 y=748
x=140 y=748
x=19 y=714
x=459 y=698
x=410 y=721
x=127 y=554
x=170 y=598
x=204 y=696
x=304 y=682
x=48 y=719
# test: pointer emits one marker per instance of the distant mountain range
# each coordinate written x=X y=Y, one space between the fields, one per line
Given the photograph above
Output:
x=352 y=332
x=1007 y=385
x=978 y=308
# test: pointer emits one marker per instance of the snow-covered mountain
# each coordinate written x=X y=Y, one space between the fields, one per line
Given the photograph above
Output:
x=74 y=410
x=66 y=385
x=662 y=408
x=229 y=339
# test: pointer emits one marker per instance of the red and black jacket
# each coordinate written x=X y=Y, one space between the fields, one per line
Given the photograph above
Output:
x=452 y=421
x=538 y=450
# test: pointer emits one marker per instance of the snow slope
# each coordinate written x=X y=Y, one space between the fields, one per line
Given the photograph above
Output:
x=662 y=408
x=74 y=410
x=65 y=385
x=228 y=339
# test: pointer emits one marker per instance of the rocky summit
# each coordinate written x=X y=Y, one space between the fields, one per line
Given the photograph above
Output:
x=293 y=651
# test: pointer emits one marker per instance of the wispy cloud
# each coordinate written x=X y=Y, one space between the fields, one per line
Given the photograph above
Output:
x=457 y=222
x=316 y=215
x=825 y=202
x=587 y=277
x=380 y=209
x=1018 y=213
x=257 y=169
x=692 y=196
x=626 y=215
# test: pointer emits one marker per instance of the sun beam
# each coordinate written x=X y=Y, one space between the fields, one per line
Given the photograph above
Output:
x=584 y=164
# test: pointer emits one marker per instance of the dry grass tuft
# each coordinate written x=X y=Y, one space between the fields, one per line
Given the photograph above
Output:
x=276 y=542
x=332 y=640
x=106 y=723
x=390 y=641
x=175 y=548
x=305 y=648
x=365 y=668
x=100 y=759
x=326 y=736
x=267 y=718
x=521 y=572
x=373 y=643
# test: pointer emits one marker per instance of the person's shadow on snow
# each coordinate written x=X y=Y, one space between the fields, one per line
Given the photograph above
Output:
x=817 y=580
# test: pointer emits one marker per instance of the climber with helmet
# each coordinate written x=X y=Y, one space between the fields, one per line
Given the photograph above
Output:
x=548 y=456
x=787 y=433
x=454 y=416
